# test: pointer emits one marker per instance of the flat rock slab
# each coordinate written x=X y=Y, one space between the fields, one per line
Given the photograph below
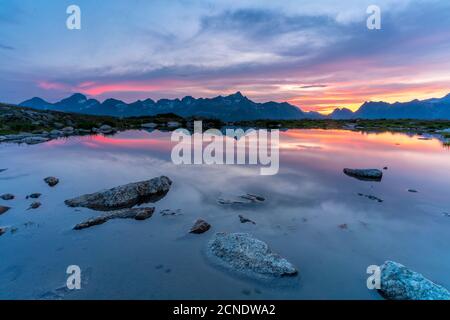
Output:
x=400 y=283
x=136 y=213
x=365 y=174
x=243 y=253
x=125 y=196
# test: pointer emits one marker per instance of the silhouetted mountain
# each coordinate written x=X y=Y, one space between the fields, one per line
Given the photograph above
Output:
x=342 y=114
x=234 y=107
x=430 y=109
x=237 y=107
x=37 y=103
x=416 y=109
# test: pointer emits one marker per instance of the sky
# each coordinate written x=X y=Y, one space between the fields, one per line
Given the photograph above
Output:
x=317 y=55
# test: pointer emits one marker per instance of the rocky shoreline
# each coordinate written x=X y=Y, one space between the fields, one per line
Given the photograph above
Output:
x=29 y=126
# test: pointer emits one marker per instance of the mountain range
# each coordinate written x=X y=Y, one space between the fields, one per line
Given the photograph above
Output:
x=237 y=107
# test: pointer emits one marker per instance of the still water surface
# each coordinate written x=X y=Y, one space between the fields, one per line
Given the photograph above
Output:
x=306 y=202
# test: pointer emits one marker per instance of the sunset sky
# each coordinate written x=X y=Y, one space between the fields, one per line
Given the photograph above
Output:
x=317 y=55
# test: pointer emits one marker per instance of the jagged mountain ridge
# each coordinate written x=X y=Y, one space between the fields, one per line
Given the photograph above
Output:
x=235 y=107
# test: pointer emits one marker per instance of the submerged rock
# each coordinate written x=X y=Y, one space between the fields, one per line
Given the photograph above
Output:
x=3 y=230
x=365 y=174
x=246 y=220
x=35 y=205
x=370 y=197
x=125 y=196
x=3 y=209
x=247 y=198
x=1 y=170
x=136 y=213
x=243 y=253
x=51 y=181
x=169 y=212
x=7 y=196
x=200 y=226
x=412 y=191
x=400 y=283
x=34 y=196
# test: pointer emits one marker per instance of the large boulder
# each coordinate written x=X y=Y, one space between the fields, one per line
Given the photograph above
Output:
x=136 y=213
x=125 y=196
x=365 y=174
x=245 y=254
x=400 y=283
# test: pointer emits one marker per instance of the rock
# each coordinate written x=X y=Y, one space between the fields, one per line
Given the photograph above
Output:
x=365 y=174
x=2 y=138
x=56 y=133
x=7 y=197
x=200 y=226
x=3 y=209
x=51 y=181
x=125 y=196
x=35 y=205
x=106 y=129
x=58 y=125
x=34 y=196
x=3 y=230
x=412 y=191
x=34 y=140
x=243 y=253
x=245 y=220
x=385 y=168
x=136 y=213
x=68 y=130
x=169 y=212
x=241 y=200
x=150 y=125
x=400 y=283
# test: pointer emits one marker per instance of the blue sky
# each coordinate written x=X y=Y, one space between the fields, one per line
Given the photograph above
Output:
x=314 y=54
